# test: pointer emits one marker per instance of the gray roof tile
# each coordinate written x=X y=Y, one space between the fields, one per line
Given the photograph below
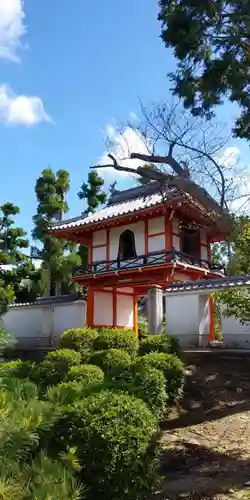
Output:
x=137 y=201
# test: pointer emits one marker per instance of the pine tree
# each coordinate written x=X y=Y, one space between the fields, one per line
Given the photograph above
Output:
x=94 y=195
x=51 y=190
x=210 y=39
x=92 y=192
x=12 y=242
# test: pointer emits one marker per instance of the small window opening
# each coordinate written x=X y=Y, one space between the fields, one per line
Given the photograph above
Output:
x=127 y=245
x=190 y=242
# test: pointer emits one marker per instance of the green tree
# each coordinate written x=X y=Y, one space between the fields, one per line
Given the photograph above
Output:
x=211 y=42
x=12 y=242
x=57 y=255
x=91 y=191
x=237 y=302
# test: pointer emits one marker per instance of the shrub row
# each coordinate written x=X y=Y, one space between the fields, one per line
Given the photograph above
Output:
x=87 y=339
x=100 y=418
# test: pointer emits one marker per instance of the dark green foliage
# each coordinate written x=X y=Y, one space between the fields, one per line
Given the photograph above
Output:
x=92 y=192
x=79 y=339
x=142 y=330
x=25 y=473
x=170 y=365
x=6 y=340
x=51 y=190
x=147 y=384
x=112 y=361
x=116 y=437
x=65 y=393
x=86 y=374
x=16 y=369
x=210 y=40
x=12 y=242
x=160 y=343
x=55 y=366
x=116 y=338
x=48 y=479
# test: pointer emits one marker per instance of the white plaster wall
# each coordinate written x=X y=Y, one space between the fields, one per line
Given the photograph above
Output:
x=182 y=318
x=175 y=225
x=125 y=310
x=234 y=334
x=99 y=254
x=204 y=320
x=68 y=316
x=99 y=237
x=156 y=243
x=103 y=308
x=125 y=289
x=156 y=225
x=203 y=237
x=204 y=254
x=176 y=242
x=41 y=325
x=138 y=229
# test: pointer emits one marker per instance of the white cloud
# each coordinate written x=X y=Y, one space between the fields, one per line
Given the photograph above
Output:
x=12 y=28
x=20 y=109
x=230 y=157
x=122 y=146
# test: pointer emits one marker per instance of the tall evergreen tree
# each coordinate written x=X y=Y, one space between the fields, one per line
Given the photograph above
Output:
x=210 y=39
x=91 y=191
x=12 y=242
x=51 y=190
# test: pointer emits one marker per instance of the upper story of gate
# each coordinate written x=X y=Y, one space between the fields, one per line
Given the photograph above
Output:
x=147 y=227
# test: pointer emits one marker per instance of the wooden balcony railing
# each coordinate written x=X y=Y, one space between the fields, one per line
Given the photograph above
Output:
x=151 y=259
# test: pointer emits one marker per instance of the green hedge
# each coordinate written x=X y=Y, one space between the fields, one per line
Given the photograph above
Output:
x=147 y=384
x=79 y=339
x=116 y=338
x=116 y=437
x=86 y=374
x=160 y=343
x=16 y=369
x=170 y=365
x=111 y=361
x=65 y=393
x=55 y=366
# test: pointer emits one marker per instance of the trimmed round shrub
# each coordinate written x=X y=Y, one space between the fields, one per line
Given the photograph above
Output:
x=86 y=374
x=79 y=339
x=160 y=343
x=53 y=369
x=116 y=437
x=17 y=369
x=116 y=338
x=147 y=384
x=112 y=361
x=65 y=393
x=64 y=357
x=170 y=365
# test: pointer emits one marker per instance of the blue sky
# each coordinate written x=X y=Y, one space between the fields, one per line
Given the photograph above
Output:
x=86 y=64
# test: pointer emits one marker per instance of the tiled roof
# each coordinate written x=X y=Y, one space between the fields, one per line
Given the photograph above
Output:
x=136 y=199
x=210 y=285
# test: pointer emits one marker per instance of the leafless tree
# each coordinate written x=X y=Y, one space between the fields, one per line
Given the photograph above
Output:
x=186 y=146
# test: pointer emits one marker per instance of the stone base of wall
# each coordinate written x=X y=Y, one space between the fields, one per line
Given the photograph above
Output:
x=236 y=341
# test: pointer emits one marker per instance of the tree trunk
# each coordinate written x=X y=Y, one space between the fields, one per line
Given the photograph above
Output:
x=58 y=288
x=48 y=281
